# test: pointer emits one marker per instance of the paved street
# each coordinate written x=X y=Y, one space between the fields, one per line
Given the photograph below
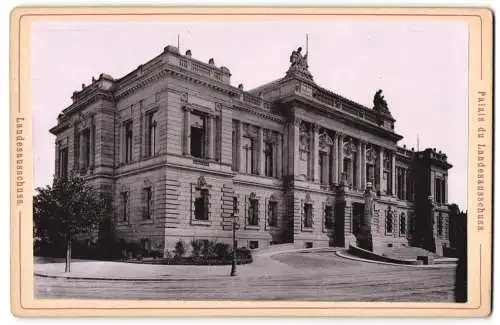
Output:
x=310 y=275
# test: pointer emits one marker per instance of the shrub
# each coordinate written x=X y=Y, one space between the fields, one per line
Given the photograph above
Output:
x=179 y=250
x=208 y=250
x=196 y=246
x=222 y=251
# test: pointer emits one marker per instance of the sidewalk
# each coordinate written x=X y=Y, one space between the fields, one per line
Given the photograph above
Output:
x=263 y=264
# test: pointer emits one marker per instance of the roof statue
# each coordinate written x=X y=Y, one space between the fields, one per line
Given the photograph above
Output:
x=299 y=64
x=379 y=103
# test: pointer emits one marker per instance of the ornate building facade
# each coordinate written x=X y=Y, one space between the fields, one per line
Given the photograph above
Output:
x=178 y=150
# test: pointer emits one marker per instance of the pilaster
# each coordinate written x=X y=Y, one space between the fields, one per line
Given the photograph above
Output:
x=341 y=157
x=393 y=173
x=187 y=130
x=315 y=153
x=334 y=159
x=381 y=170
x=279 y=155
x=260 y=151
x=358 y=165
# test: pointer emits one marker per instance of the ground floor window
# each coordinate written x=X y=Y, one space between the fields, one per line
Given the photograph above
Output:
x=201 y=205
x=402 y=224
x=389 y=219
x=440 y=225
x=148 y=203
x=329 y=217
x=254 y=244
x=273 y=213
x=253 y=211
x=308 y=215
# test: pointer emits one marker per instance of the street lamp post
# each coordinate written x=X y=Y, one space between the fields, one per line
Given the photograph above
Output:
x=233 y=259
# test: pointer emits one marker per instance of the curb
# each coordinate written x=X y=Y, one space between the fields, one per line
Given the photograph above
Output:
x=42 y=275
x=355 y=258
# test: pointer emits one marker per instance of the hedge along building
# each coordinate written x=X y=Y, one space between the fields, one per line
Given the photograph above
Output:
x=178 y=149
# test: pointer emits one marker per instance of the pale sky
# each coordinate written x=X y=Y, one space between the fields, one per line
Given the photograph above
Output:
x=420 y=65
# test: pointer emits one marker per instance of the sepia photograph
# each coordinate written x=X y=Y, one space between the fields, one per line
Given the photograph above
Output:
x=276 y=158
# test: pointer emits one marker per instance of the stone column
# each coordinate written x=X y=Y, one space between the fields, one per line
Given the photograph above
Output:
x=363 y=166
x=279 y=155
x=92 y=142
x=334 y=159
x=211 y=137
x=358 y=165
x=393 y=173
x=341 y=156
x=315 y=153
x=260 y=151
x=241 y=150
x=295 y=155
x=57 y=163
x=405 y=175
x=445 y=180
x=351 y=171
x=121 y=133
x=81 y=151
x=381 y=169
x=187 y=131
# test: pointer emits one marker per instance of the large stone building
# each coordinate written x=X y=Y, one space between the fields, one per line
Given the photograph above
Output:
x=178 y=149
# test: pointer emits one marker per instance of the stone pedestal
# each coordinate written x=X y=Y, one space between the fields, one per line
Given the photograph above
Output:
x=368 y=237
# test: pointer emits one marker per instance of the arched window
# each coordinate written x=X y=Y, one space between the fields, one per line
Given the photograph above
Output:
x=152 y=133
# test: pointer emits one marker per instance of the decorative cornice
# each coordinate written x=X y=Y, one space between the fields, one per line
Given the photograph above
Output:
x=146 y=79
x=260 y=113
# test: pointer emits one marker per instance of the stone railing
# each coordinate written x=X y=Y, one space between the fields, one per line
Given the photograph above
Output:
x=221 y=74
x=255 y=100
x=336 y=101
x=405 y=152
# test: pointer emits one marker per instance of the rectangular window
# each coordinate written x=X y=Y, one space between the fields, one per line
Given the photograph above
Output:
x=235 y=205
x=440 y=225
x=436 y=190
x=402 y=224
x=199 y=135
x=329 y=217
x=151 y=134
x=63 y=163
x=148 y=203
x=253 y=212
x=201 y=203
x=322 y=162
x=386 y=181
x=388 y=222
x=254 y=244
x=234 y=146
x=273 y=213
x=347 y=174
x=268 y=155
x=85 y=142
x=308 y=215
x=124 y=199
x=249 y=156
x=128 y=142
